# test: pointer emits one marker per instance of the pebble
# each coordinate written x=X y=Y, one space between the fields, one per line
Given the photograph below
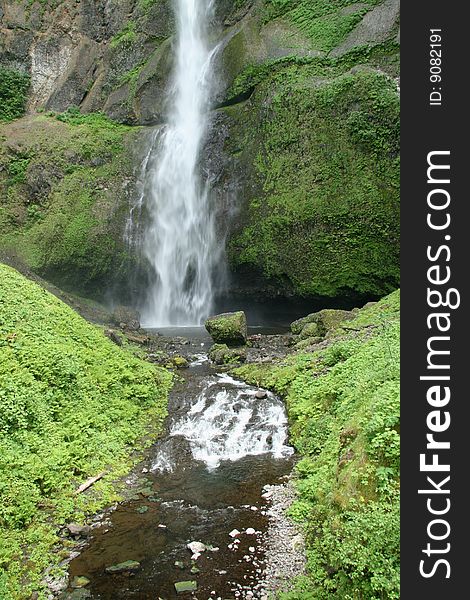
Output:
x=234 y=533
x=284 y=547
x=196 y=547
x=250 y=531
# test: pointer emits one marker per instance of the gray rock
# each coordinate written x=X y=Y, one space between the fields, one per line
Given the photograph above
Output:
x=129 y=566
x=126 y=318
x=78 y=530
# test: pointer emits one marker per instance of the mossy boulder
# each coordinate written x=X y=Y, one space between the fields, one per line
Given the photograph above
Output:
x=320 y=323
x=221 y=354
x=180 y=362
x=309 y=330
x=228 y=328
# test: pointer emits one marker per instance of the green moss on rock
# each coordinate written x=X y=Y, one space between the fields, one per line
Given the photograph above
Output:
x=64 y=185
x=228 y=328
x=221 y=354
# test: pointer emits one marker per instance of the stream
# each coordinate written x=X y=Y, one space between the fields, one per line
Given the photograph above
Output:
x=201 y=480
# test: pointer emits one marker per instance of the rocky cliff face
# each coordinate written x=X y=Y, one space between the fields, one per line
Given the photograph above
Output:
x=303 y=147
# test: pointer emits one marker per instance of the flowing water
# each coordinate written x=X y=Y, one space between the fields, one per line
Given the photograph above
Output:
x=225 y=440
x=179 y=240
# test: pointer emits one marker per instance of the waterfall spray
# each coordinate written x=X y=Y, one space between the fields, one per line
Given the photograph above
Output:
x=180 y=241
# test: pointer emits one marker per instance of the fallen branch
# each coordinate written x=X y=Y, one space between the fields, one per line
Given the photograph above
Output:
x=89 y=482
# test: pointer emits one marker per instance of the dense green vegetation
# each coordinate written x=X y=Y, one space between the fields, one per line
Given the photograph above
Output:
x=72 y=404
x=14 y=87
x=63 y=197
x=343 y=405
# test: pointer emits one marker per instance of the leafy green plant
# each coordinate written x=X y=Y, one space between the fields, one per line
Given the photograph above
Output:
x=14 y=86
x=126 y=37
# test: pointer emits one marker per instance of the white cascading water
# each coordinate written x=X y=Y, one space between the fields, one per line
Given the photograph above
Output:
x=180 y=241
x=227 y=422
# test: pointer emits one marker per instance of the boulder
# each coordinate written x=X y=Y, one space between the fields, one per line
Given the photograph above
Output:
x=320 y=323
x=126 y=318
x=310 y=330
x=228 y=328
x=76 y=530
x=221 y=354
x=180 y=362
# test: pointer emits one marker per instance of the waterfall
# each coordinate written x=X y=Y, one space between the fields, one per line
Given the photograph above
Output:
x=179 y=240
x=226 y=421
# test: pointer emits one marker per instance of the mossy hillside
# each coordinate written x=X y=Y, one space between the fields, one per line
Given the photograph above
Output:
x=343 y=406
x=63 y=181
x=72 y=404
x=326 y=174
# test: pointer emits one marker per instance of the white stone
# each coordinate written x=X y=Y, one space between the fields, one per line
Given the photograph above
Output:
x=196 y=547
x=234 y=533
x=250 y=531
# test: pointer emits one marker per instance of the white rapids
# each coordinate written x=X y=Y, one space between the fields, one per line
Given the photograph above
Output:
x=180 y=241
x=227 y=422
